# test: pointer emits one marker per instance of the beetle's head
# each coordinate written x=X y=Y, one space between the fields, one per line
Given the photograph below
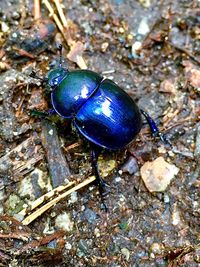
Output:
x=55 y=76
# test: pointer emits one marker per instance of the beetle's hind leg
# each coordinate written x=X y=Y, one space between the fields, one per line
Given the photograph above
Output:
x=103 y=186
x=154 y=128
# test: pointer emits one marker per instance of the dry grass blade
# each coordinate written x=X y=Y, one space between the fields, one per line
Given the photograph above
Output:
x=76 y=48
x=48 y=195
x=41 y=210
x=52 y=14
x=36 y=9
x=60 y=12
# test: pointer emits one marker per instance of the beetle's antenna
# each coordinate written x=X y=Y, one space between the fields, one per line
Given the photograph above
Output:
x=60 y=51
x=35 y=76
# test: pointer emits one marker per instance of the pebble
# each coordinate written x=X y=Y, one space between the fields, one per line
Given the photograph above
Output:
x=168 y=86
x=130 y=166
x=68 y=246
x=73 y=198
x=143 y=28
x=4 y=27
x=156 y=248
x=135 y=49
x=126 y=253
x=176 y=219
x=118 y=179
x=63 y=221
x=158 y=174
x=90 y=215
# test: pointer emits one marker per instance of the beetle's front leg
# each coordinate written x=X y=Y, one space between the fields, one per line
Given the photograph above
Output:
x=43 y=114
x=154 y=128
x=95 y=151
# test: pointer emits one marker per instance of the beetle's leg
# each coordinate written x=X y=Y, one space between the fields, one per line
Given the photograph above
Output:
x=60 y=51
x=99 y=180
x=35 y=76
x=43 y=114
x=154 y=128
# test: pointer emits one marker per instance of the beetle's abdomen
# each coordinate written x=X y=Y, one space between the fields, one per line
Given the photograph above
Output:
x=109 y=118
x=73 y=91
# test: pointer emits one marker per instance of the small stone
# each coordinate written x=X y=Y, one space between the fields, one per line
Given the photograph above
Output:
x=176 y=220
x=131 y=166
x=121 y=30
x=4 y=27
x=126 y=253
x=158 y=174
x=192 y=74
x=156 y=248
x=104 y=46
x=97 y=232
x=90 y=215
x=118 y=179
x=50 y=132
x=166 y=199
x=120 y=172
x=136 y=47
x=143 y=28
x=168 y=86
x=68 y=246
x=63 y=221
x=145 y=3
x=14 y=35
x=73 y=198
x=194 y=78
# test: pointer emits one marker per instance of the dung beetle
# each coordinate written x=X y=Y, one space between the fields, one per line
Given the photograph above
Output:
x=99 y=109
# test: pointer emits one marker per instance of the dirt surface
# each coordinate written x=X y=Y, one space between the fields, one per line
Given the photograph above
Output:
x=152 y=50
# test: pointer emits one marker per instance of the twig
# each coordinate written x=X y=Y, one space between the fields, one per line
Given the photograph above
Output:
x=40 y=211
x=65 y=32
x=72 y=146
x=37 y=9
x=61 y=14
x=64 y=29
x=52 y=14
x=19 y=111
x=41 y=199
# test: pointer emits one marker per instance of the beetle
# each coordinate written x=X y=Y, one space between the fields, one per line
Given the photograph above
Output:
x=100 y=110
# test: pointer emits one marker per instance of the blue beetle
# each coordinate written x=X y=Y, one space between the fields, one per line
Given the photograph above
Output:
x=100 y=110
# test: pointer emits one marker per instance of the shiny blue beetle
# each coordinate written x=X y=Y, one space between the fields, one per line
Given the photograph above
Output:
x=100 y=110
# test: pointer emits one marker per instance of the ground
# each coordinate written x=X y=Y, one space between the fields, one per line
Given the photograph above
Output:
x=152 y=50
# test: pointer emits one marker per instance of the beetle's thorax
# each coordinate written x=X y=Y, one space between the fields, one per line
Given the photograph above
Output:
x=73 y=91
x=55 y=77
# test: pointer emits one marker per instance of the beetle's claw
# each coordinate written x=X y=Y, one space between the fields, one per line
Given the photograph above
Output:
x=163 y=138
x=104 y=184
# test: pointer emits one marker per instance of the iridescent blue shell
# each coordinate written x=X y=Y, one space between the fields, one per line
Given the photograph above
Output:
x=110 y=118
x=102 y=112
